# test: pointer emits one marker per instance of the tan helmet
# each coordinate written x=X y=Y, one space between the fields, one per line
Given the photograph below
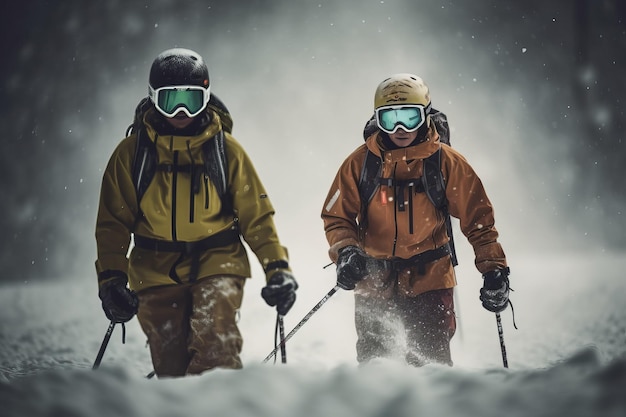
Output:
x=402 y=89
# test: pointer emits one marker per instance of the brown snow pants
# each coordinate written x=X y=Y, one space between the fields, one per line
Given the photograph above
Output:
x=192 y=327
x=416 y=329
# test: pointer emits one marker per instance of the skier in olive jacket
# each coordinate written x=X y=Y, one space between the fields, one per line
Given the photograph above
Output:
x=400 y=264
x=188 y=266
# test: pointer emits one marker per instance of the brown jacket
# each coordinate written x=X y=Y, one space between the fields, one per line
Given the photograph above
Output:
x=166 y=208
x=387 y=235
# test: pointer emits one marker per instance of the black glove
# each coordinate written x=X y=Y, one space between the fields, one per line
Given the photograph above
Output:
x=351 y=267
x=495 y=291
x=118 y=302
x=280 y=291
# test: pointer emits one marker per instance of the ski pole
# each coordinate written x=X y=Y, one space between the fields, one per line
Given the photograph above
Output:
x=103 y=346
x=304 y=320
x=501 y=335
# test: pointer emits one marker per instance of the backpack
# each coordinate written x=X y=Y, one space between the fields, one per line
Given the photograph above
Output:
x=214 y=166
x=431 y=182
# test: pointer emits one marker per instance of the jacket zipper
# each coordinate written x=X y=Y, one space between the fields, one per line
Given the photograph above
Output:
x=206 y=190
x=395 y=212
x=193 y=183
x=174 y=186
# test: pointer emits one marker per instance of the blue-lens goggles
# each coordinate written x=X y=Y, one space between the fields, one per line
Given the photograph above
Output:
x=170 y=100
x=410 y=117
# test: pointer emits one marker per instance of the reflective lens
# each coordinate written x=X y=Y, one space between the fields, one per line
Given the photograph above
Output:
x=169 y=101
x=390 y=118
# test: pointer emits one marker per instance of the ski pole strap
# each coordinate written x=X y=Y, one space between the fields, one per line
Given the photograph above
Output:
x=281 y=332
x=304 y=320
x=123 y=333
x=279 y=335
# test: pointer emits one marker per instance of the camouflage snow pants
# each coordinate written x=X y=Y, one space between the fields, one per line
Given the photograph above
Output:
x=416 y=329
x=192 y=327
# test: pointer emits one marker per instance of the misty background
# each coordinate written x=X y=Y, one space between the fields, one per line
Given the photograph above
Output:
x=533 y=91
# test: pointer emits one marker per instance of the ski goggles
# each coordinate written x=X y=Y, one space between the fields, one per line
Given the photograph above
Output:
x=170 y=100
x=408 y=116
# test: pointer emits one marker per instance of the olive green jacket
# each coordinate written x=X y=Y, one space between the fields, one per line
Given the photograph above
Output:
x=170 y=211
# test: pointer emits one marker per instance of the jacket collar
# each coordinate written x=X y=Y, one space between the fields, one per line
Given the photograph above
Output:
x=180 y=142
x=420 y=151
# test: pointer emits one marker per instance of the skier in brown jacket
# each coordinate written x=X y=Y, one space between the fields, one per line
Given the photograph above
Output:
x=188 y=266
x=400 y=263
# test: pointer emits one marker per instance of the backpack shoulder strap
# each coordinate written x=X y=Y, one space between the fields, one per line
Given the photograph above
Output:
x=216 y=167
x=368 y=184
x=368 y=180
x=435 y=188
x=144 y=162
x=433 y=182
x=215 y=159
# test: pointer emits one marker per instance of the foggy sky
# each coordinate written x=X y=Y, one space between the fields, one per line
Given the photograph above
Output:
x=531 y=90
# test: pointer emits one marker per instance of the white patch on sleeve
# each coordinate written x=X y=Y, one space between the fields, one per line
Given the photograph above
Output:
x=333 y=200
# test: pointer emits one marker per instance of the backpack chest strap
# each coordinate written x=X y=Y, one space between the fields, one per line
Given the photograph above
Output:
x=195 y=170
x=416 y=183
x=171 y=168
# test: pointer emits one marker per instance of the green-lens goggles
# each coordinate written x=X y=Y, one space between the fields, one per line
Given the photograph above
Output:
x=171 y=100
x=409 y=117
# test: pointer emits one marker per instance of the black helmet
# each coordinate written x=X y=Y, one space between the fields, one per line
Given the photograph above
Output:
x=179 y=66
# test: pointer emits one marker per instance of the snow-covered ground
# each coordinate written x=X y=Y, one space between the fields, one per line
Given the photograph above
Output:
x=566 y=359
x=301 y=90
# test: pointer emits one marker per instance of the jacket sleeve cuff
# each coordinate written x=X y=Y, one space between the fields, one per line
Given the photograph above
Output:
x=112 y=262
x=273 y=258
x=333 y=251
x=111 y=275
x=490 y=257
